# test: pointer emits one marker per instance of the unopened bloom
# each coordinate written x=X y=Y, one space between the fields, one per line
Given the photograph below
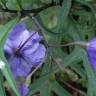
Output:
x=24 y=90
x=91 y=51
x=23 y=50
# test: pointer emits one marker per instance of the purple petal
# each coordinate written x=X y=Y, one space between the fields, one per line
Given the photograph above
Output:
x=19 y=67
x=30 y=49
x=24 y=90
x=17 y=31
x=20 y=39
x=36 y=37
x=33 y=43
x=91 y=51
x=36 y=57
x=19 y=35
x=8 y=47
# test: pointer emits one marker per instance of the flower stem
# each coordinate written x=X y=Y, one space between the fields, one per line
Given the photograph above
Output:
x=80 y=43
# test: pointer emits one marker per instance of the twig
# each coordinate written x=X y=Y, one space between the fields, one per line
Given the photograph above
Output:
x=58 y=62
x=73 y=88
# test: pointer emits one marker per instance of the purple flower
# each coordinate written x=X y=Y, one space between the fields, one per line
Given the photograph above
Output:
x=23 y=50
x=24 y=90
x=91 y=51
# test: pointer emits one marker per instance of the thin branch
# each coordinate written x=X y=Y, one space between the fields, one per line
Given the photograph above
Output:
x=73 y=88
x=59 y=63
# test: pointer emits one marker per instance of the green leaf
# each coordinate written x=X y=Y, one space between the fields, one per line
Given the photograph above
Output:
x=37 y=85
x=13 y=5
x=46 y=1
x=30 y=4
x=59 y=90
x=63 y=16
x=2 y=90
x=3 y=3
x=47 y=89
x=90 y=91
x=6 y=70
